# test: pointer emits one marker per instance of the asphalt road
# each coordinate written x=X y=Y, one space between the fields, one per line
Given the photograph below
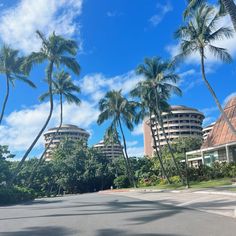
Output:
x=109 y=215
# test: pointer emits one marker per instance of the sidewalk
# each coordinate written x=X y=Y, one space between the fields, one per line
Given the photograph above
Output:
x=212 y=200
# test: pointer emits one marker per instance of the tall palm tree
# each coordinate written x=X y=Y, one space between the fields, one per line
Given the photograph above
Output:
x=119 y=110
x=63 y=86
x=10 y=66
x=111 y=138
x=160 y=80
x=226 y=6
x=57 y=51
x=198 y=36
x=145 y=94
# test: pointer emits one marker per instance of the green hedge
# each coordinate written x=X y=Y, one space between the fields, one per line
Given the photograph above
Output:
x=121 y=182
x=11 y=195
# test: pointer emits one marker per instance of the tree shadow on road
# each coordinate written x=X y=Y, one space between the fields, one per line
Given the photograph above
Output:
x=115 y=232
x=41 y=231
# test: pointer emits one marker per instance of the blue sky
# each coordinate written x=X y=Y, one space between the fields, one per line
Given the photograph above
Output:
x=114 y=37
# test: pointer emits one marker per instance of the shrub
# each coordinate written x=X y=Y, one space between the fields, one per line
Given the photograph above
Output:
x=11 y=195
x=175 y=179
x=163 y=181
x=121 y=182
x=232 y=171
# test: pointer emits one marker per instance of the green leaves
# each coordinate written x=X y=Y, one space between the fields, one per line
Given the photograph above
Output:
x=114 y=106
x=201 y=31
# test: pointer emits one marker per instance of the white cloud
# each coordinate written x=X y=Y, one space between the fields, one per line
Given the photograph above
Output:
x=209 y=110
x=19 y=23
x=228 y=98
x=162 y=11
x=208 y=120
x=135 y=151
x=187 y=73
x=22 y=126
x=96 y=85
x=138 y=130
x=131 y=143
x=192 y=84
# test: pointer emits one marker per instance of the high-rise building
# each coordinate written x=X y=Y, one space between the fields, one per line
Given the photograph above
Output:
x=206 y=130
x=109 y=150
x=181 y=121
x=54 y=138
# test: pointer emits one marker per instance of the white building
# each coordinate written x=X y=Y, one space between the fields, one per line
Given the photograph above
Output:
x=109 y=150
x=181 y=121
x=206 y=130
x=71 y=132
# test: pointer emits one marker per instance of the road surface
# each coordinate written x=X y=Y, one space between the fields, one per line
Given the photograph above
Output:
x=109 y=215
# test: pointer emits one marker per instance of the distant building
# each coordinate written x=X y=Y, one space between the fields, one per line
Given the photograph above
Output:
x=181 y=121
x=220 y=144
x=109 y=150
x=206 y=130
x=71 y=132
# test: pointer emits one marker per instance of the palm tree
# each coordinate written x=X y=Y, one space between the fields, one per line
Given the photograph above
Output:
x=160 y=80
x=226 y=6
x=198 y=36
x=119 y=110
x=10 y=66
x=57 y=51
x=111 y=138
x=145 y=94
x=62 y=86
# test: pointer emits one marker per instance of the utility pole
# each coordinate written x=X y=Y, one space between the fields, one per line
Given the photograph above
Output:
x=186 y=169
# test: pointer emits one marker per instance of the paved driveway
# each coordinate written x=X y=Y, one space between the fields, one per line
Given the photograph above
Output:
x=109 y=215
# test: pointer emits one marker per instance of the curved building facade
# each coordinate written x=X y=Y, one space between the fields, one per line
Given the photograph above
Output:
x=206 y=130
x=71 y=132
x=181 y=121
x=109 y=150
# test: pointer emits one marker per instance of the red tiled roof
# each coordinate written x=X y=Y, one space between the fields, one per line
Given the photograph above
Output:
x=221 y=133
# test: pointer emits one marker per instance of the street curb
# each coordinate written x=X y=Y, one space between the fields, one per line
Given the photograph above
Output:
x=210 y=191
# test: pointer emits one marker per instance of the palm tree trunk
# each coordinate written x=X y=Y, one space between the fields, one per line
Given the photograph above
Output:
x=157 y=152
x=6 y=98
x=129 y=169
x=226 y=119
x=31 y=178
x=230 y=8
x=159 y=118
x=158 y=139
x=49 y=75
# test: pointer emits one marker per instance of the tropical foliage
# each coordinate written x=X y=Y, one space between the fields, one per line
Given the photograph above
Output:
x=118 y=110
x=154 y=91
x=11 y=66
x=56 y=50
x=198 y=36
x=226 y=7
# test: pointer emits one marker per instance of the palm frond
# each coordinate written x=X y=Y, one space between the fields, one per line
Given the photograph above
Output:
x=220 y=53
x=25 y=80
x=221 y=34
x=44 y=96
x=71 y=98
x=71 y=63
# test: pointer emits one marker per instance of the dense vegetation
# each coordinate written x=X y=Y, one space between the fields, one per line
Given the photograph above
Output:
x=76 y=168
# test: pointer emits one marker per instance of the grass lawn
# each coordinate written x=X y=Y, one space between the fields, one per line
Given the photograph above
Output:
x=197 y=185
